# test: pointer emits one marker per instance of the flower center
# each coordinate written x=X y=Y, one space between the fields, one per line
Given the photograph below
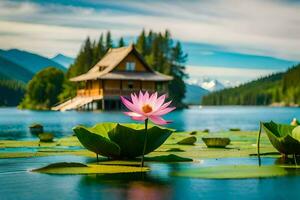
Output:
x=146 y=108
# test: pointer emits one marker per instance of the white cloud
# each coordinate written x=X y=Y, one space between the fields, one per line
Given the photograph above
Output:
x=257 y=27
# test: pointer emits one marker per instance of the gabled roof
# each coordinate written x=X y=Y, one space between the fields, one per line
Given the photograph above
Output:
x=111 y=60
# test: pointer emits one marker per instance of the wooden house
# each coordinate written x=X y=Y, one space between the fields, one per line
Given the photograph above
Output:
x=120 y=72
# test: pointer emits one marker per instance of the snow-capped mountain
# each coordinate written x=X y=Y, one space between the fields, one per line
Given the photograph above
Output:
x=208 y=84
x=212 y=85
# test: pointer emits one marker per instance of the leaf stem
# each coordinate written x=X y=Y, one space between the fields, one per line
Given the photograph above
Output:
x=145 y=142
x=258 y=144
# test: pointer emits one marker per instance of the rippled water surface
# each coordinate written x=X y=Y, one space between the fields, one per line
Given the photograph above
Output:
x=18 y=183
x=14 y=123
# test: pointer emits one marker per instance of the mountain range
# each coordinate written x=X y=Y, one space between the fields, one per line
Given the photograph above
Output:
x=197 y=89
x=18 y=65
x=281 y=89
x=21 y=65
x=29 y=61
x=65 y=61
x=194 y=94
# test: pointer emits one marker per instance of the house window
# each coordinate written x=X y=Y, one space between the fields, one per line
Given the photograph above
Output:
x=130 y=66
x=130 y=85
x=159 y=86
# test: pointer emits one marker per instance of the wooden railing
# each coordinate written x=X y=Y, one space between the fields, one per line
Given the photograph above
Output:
x=90 y=93
x=112 y=92
x=127 y=92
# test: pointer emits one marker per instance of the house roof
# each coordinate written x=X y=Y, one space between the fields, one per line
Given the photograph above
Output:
x=112 y=59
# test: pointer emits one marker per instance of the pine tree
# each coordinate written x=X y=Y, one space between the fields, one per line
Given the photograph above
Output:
x=99 y=50
x=121 y=42
x=108 y=41
x=141 y=43
x=177 y=86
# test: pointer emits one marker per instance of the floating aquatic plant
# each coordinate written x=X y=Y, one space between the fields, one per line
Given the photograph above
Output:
x=79 y=168
x=144 y=107
x=285 y=138
x=188 y=141
x=116 y=140
x=232 y=172
x=217 y=142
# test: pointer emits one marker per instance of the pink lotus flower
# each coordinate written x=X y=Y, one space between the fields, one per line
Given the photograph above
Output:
x=144 y=107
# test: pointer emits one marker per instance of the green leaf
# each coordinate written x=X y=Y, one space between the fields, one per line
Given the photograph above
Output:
x=121 y=140
x=188 y=141
x=130 y=138
x=168 y=158
x=96 y=140
x=232 y=172
x=79 y=168
x=281 y=137
x=296 y=133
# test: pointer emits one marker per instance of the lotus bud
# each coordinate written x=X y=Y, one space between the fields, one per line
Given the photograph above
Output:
x=295 y=122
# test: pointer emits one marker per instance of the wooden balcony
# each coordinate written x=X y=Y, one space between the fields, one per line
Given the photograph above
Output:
x=90 y=93
x=115 y=92
x=111 y=92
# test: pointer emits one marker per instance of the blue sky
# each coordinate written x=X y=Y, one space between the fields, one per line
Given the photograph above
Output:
x=233 y=41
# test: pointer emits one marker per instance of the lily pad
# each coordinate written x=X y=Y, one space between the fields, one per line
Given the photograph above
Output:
x=175 y=150
x=216 y=142
x=36 y=128
x=168 y=158
x=79 y=168
x=281 y=137
x=121 y=140
x=188 y=141
x=233 y=172
x=46 y=137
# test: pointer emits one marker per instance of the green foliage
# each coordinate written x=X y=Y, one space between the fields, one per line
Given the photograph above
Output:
x=281 y=137
x=291 y=86
x=43 y=90
x=296 y=133
x=165 y=57
x=121 y=140
x=121 y=42
x=12 y=92
x=281 y=88
x=157 y=48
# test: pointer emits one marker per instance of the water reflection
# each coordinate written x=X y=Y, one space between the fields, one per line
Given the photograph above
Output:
x=17 y=183
x=128 y=186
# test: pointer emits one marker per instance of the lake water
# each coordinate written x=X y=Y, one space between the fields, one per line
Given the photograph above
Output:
x=18 y=183
x=14 y=123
